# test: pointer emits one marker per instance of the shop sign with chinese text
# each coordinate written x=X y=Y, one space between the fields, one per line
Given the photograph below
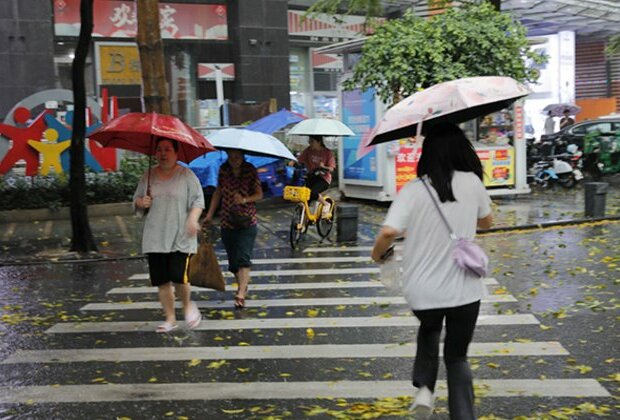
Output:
x=497 y=165
x=117 y=19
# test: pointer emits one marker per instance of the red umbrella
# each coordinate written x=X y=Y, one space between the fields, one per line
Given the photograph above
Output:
x=137 y=132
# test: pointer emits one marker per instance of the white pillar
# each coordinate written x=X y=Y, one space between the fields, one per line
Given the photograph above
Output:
x=567 y=66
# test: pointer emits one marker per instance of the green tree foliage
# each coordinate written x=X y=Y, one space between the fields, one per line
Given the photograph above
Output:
x=412 y=53
x=370 y=8
x=613 y=45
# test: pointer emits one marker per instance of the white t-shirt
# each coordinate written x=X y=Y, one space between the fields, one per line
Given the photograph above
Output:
x=549 y=125
x=431 y=279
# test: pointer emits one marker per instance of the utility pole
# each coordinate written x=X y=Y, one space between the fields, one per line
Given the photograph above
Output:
x=154 y=85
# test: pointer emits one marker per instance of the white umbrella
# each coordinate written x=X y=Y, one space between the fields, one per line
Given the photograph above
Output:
x=321 y=127
x=250 y=142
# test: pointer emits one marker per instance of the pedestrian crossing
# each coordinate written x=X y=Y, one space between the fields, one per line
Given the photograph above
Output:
x=321 y=311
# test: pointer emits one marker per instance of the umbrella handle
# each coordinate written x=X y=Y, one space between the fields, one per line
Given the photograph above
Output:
x=148 y=176
x=418 y=134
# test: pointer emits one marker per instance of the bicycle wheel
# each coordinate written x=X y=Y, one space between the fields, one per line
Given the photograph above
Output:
x=297 y=225
x=325 y=225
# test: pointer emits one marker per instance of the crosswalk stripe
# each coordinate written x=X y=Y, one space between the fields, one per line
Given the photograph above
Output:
x=318 y=351
x=308 y=260
x=300 y=272
x=283 y=323
x=360 y=248
x=321 y=249
x=272 y=303
x=287 y=390
x=276 y=286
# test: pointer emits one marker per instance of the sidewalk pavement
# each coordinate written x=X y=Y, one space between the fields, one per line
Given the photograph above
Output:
x=118 y=233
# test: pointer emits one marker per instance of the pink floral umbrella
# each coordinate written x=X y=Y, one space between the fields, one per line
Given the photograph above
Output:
x=454 y=101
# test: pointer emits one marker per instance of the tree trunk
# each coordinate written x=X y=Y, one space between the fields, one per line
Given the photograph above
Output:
x=154 y=86
x=82 y=240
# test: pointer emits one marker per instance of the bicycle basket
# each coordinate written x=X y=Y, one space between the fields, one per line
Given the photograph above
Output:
x=292 y=193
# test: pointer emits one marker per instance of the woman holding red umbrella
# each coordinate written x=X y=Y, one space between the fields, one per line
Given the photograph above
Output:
x=174 y=201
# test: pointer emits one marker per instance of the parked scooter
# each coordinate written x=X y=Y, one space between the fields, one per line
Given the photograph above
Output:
x=602 y=154
x=564 y=169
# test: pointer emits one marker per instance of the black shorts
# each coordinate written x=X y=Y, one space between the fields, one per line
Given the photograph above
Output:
x=168 y=267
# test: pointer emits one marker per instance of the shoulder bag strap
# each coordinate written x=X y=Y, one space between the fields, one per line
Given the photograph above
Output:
x=443 y=217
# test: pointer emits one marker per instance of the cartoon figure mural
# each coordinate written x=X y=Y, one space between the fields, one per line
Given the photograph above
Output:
x=19 y=136
x=24 y=137
x=50 y=151
x=64 y=136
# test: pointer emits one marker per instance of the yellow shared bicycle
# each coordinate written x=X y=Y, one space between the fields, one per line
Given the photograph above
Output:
x=303 y=217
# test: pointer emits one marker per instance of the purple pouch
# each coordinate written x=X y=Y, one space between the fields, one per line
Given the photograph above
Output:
x=470 y=256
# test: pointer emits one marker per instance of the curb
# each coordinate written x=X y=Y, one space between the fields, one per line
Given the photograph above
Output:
x=96 y=210
x=63 y=213
x=67 y=259
x=544 y=225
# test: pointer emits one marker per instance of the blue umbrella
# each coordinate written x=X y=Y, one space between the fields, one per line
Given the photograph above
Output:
x=207 y=167
x=274 y=122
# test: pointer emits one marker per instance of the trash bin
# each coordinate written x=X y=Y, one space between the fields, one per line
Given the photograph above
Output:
x=596 y=193
x=346 y=221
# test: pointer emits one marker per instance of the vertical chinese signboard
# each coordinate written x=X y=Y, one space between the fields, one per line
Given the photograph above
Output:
x=406 y=165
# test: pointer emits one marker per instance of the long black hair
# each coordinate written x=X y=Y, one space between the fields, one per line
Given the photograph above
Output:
x=446 y=149
x=319 y=139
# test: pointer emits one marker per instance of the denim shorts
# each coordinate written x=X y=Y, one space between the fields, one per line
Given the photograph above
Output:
x=239 y=244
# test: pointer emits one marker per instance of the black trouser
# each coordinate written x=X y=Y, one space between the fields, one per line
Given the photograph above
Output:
x=317 y=185
x=460 y=325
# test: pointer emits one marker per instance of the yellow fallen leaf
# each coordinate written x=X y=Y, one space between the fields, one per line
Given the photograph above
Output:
x=312 y=313
x=216 y=365
x=194 y=362
x=153 y=379
x=234 y=411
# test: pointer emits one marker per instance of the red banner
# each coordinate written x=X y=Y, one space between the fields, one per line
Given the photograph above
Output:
x=117 y=19
x=406 y=165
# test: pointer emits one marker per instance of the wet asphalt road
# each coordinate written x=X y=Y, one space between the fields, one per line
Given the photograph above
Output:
x=554 y=298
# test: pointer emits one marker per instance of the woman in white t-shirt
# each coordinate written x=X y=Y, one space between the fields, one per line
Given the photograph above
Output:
x=435 y=288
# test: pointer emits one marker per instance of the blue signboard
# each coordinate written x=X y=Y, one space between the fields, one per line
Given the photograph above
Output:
x=358 y=113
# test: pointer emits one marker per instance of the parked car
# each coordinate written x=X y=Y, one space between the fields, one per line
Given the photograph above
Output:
x=609 y=125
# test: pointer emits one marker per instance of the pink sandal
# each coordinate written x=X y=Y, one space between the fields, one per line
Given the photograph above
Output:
x=166 y=327
x=194 y=319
